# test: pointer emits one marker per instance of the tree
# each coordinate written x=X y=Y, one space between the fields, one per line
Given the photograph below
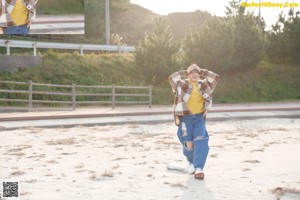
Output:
x=210 y=46
x=234 y=9
x=249 y=42
x=155 y=55
x=284 y=40
x=233 y=43
x=94 y=16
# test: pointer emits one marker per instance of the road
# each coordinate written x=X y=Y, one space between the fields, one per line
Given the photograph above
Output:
x=142 y=114
x=87 y=121
x=58 y=24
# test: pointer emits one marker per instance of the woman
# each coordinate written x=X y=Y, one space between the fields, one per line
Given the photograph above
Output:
x=192 y=101
x=16 y=16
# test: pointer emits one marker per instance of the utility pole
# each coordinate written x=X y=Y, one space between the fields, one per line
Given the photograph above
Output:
x=293 y=8
x=107 y=23
x=259 y=14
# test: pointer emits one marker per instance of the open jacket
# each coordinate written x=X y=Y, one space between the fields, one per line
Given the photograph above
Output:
x=6 y=8
x=182 y=89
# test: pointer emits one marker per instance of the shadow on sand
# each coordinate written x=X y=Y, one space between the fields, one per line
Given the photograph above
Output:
x=196 y=189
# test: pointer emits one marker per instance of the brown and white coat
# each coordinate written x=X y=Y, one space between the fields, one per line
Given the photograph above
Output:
x=7 y=6
x=182 y=89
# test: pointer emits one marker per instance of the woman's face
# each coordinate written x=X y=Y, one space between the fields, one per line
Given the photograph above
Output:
x=194 y=75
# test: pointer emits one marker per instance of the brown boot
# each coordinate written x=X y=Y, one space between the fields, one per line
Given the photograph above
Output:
x=199 y=174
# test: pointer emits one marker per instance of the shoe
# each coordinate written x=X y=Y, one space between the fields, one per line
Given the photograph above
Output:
x=199 y=174
x=191 y=168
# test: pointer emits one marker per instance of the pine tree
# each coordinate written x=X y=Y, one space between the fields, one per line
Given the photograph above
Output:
x=236 y=43
x=249 y=42
x=210 y=46
x=155 y=55
x=284 y=39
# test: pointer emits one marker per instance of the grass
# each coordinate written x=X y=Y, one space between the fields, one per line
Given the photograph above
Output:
x=53 y=7
x=275 y=83
x=268 y=82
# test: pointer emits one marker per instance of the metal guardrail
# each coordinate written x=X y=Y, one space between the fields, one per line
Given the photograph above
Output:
x=33 y=95
x=67 y=46
x=60 y=38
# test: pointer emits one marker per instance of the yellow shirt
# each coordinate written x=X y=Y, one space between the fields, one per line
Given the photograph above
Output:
x=196 y=102
x=20 y=13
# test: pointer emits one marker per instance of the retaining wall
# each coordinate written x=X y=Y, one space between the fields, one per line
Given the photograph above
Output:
x=11 y=63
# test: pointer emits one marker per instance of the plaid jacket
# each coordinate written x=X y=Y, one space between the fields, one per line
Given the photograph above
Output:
x=183 y=90
x=6 y=8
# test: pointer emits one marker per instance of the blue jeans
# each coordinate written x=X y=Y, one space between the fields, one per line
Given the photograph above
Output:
x=22 y=29
x=192 y=128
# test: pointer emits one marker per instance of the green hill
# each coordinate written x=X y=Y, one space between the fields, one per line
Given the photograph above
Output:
x=179 y=21
x=133 y=23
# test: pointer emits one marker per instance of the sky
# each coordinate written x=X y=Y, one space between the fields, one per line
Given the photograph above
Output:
x=215 y=7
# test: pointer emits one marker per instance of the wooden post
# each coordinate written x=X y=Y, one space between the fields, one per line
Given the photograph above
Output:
x=107 y=22
x=73 y=96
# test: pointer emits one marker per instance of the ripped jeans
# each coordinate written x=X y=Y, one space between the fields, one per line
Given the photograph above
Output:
x=11 y=30
x=192 y=128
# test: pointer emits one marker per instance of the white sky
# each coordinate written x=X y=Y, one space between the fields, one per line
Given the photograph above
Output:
x=215 y=7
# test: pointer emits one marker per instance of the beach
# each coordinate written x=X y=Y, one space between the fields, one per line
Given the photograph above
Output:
x=248 y=159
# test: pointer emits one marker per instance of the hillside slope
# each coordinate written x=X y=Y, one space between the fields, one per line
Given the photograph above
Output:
x=265 y=83
x=133 y=23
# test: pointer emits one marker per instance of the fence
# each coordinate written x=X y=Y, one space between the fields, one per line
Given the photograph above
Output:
x=32 y=95
x=66 y=46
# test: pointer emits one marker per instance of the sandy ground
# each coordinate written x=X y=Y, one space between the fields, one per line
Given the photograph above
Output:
x=251 y=159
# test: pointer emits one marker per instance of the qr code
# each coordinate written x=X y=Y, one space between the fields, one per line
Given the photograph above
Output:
x=10 y=189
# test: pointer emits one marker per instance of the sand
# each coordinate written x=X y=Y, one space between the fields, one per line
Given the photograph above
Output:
x=250 y=159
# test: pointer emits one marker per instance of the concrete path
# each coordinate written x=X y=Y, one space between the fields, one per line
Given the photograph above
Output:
x=142 y=114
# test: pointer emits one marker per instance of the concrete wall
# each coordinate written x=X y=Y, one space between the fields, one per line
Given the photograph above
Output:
x=12 y=63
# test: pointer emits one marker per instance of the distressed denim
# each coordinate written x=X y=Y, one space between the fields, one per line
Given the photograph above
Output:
x=16 y=30
x=192 y=128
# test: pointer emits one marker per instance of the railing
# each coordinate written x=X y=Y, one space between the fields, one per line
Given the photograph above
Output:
x=67 y=46
x=62 y=38
x=31 y=96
